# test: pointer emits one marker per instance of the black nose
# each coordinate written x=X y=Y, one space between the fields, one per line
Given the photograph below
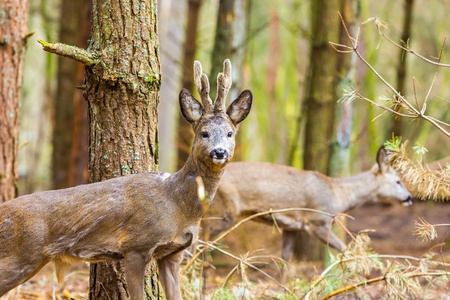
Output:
x=219 y=153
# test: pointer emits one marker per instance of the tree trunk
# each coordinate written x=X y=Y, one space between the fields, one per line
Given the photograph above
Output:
x=223 y=40
x=122 y=94
x=172 y=18
x=80 y=144
x=340 y=163
x=68 y=120
x=345 y=77
x=273 y=61
x=320 y=102
x=13 y=35
x=229 y=42
x=402 y=64
x=184 y=132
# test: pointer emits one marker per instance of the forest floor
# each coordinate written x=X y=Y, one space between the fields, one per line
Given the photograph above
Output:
x=393 y=227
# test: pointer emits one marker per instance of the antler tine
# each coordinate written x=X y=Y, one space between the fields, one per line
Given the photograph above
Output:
x=223 y=86
x=202 y=84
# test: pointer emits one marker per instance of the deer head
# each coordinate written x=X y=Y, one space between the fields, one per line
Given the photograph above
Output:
x=214 y=125
x=390 y=185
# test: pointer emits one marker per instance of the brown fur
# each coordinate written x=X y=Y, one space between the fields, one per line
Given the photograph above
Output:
x=252 y=187
x=135 y=218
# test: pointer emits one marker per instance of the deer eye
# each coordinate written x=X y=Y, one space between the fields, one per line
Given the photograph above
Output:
x=230 y=134
x=205 y=134
x=398 y=182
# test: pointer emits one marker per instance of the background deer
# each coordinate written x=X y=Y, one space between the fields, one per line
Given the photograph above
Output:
x=247 y=188
x=135 y=217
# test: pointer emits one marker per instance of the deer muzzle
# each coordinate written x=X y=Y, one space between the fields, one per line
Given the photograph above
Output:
x=407 y=201
x=219 y=155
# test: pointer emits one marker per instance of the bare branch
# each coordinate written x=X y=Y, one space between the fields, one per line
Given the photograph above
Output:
x=414 y=113
x=244 y=261
x=78 y=54
x=223 y=235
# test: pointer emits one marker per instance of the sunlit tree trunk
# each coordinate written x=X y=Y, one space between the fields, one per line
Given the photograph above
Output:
x=320 y=101
x=184 y=131
x=273 y=61
x=13 y=35
x=340 y=163
x=172 y=16
x=402 y=63
x=68 y=158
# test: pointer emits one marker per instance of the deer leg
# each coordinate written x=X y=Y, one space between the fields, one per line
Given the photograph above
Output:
x=168 y=275
x=134 y=265
x=288 y=240
x=15 y=271
x=325 y=234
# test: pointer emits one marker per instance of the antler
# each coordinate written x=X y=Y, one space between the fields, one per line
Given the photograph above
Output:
x=223 y=86
x=202 y=83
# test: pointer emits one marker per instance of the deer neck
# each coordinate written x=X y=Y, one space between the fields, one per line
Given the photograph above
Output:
x=184 y=179
x=357 y=190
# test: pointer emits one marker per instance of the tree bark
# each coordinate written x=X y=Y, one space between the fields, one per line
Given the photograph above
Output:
x=402 y=64
x=223 y=40
x=122 y=94
x=69 y=158
x=184 y=132
x=320 y=103
x=13 y=35
x=340 y=161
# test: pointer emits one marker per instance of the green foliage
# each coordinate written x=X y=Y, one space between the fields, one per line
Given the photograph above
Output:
x=394 y=144
x=419 y=149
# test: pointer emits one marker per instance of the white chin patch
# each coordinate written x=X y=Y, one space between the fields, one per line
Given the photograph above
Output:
x=219 y=161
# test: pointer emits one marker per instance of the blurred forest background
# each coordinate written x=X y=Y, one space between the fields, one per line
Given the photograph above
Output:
x=269 y=45
x=280 y=51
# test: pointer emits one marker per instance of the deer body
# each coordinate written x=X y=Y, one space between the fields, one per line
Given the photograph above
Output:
x=135 y=217
x=247 y=188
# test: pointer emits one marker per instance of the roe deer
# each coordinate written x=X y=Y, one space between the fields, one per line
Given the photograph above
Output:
x=135 y=217
x=247 y=188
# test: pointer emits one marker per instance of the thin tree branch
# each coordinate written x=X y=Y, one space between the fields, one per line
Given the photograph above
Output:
x=321 y=277
x=75 y=53
x=194 y=257
x=243 y=261
x=378 y=279
x=414 y=113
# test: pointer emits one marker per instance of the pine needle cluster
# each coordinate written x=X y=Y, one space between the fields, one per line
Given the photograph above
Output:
x=425 y=183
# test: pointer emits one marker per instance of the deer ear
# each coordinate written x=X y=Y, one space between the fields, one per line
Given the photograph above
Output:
x=239 y=109
x=191 y=109
x=382 y=158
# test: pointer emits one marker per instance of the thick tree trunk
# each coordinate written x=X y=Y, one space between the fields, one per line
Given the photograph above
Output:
x=13 y=35
x=320 y=102
x=122 y=94
x=69 y=158
x=184 y=132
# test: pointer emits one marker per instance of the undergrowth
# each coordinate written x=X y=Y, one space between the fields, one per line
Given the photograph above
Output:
x=357 y=273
